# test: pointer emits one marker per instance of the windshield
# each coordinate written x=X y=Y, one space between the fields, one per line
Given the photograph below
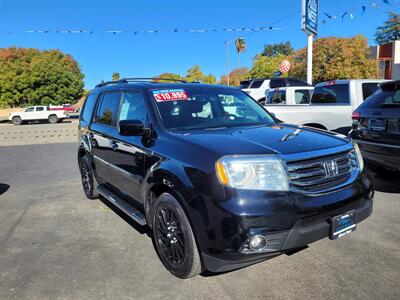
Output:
x=382 y=99
x=201 y=108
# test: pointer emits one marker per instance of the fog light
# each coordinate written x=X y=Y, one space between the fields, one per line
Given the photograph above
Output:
x=257 y=242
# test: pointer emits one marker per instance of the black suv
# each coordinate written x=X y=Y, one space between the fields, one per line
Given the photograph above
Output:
x=219 y=181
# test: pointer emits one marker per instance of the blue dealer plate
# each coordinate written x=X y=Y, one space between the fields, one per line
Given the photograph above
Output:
x=343 y=224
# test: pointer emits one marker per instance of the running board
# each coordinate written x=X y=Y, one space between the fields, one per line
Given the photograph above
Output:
x=128 y=209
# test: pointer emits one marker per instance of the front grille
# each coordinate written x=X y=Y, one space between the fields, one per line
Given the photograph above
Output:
x=313 y=175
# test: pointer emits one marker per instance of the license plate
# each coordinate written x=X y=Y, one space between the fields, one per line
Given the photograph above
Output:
x=343 y=224
x=377 y=124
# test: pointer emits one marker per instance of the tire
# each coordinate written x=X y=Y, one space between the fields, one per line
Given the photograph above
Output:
x=53 y=119
x=16 y=120
x=87 y=178
x=173 y=238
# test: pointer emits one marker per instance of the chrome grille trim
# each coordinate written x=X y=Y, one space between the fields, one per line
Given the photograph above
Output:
x=309 y=175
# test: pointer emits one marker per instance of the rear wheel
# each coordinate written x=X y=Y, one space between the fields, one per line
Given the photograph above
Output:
x=16 y=120
x=174 y=239
x=87 y=178
x=53 y=119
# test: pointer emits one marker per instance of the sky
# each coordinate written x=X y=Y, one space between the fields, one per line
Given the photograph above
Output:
x=148 y=54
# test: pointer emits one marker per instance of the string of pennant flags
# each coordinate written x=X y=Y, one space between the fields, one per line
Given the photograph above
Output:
x=352 y=12
x=150 y=31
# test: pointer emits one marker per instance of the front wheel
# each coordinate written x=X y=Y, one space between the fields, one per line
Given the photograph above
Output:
x=16 y=120
x=174 y=239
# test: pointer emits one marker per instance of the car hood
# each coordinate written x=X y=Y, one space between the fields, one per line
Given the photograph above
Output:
x=266 y=139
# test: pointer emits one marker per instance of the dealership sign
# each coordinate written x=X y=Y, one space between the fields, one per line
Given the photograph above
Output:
x=309 y=19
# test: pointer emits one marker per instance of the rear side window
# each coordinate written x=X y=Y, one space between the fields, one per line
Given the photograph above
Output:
x=276 y=97
x=302 y=96
x=296 y=82
x=331 y=94
x=88 y=108
x=107 y=112
x=39 y=108
x=256 y=84
x=276 y=83
x=368 y=89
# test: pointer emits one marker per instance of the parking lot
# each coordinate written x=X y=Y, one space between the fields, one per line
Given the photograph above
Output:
x=54 y=243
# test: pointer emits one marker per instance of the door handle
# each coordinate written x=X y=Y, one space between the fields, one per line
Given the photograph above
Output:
x=113 y=145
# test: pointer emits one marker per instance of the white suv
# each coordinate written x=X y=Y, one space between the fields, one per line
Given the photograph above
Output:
x=257 y=88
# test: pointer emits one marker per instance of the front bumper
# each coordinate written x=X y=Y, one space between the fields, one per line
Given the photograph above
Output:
x=305 y=230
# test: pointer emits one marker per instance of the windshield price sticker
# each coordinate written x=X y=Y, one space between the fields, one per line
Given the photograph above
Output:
x=170 y=95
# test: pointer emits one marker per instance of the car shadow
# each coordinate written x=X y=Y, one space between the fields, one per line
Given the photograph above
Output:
x=385 y=182
x=132 y=223
x=3 y=188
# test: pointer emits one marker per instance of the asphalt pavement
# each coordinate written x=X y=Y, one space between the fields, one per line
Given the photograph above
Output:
x=56 y=244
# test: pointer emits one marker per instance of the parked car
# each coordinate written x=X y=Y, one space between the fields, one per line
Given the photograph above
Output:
x=288 y=96
x=376 y=128
x=220 y=189
x=331 y=105
x=65 y=107
x=37 y=113
x=257 y=88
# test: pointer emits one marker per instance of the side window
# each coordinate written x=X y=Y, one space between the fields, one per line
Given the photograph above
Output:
x=369 y=88
x=256 y=84
x=276 y=83
x=276 y=97
x=331 y=94
x=296 y=82
x=39 y=108
x=302 y=96
x=29 y=109
x=133 y=107
x=88 y=107
x=107 y=111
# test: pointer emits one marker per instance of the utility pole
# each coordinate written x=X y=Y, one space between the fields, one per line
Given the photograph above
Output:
x=227 y=61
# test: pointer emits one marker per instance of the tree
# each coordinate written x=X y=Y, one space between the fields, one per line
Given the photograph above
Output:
x=240 y=47
x=168 y=76
x=235 y=76
x=116 y=76
x=336 y=58
x=194 y=74
x=32 y=77
x=271 y=50
x=210 y=79
x=390 y=30
x=265 y=66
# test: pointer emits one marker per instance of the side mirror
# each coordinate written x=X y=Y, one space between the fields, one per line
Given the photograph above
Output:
x=131 y=127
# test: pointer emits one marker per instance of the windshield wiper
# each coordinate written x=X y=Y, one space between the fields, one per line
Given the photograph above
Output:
x=391 y=104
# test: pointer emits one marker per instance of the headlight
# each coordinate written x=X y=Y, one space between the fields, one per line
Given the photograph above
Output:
x=358 y=156
x=252 y=172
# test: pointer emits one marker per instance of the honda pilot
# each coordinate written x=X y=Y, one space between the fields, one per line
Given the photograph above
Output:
x=218 y=180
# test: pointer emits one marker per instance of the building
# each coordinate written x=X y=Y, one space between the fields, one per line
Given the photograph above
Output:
x=388 y=57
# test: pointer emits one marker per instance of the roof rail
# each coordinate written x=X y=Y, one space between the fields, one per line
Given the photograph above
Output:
x=143 y=79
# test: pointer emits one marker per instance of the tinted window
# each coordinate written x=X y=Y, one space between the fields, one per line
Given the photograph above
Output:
x=369 y=88
x=132 y=107
x=276 y=97
x=244 y=84
x=29 y=109
x=275 y=83
x=211 y=108
x=39 y=108
x=302 y=96
x=331 y=94
x=296 y=82
x=382 y=99
x=107 y=112
x=88 y=107
x=256 y=84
